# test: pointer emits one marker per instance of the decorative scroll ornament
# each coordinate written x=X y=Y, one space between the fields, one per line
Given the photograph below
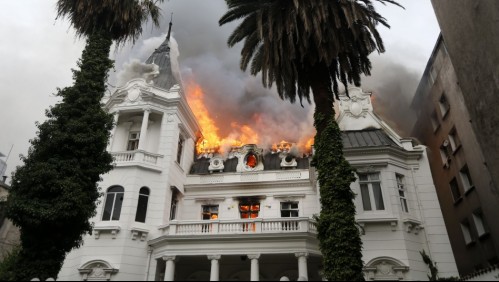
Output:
x=216 y=164
x=133 y=94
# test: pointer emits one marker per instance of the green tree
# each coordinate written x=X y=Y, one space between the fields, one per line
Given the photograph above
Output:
x=54 y=194
x=314 y=45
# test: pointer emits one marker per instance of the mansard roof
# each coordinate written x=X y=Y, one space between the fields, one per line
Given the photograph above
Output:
x=271 y=161
x=161 y=57
x=367 y=138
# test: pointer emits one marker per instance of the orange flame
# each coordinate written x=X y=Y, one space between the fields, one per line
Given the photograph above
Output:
x=212 y=142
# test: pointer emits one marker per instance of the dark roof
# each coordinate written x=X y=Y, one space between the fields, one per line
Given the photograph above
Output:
x=270 y=162
x=351 y=139
x=161 y=57
x=230 y=165
x=200 y=166
x=367 y=138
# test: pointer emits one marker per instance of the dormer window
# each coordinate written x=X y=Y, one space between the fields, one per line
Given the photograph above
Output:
x=251 y=160
x=133 y=141
x=180 y=148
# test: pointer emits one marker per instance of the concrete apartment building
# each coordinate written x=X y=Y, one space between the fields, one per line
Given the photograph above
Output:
x=457 y=120
x=470 y=30
x=462 y=178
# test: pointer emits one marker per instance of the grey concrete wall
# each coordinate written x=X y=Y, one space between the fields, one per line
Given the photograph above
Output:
x=470 y=29
x=484 y=250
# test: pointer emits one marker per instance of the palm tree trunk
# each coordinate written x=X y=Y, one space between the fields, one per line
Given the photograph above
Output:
x=339 y=237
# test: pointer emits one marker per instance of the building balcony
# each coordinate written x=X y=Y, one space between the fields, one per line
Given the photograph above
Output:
x=240 y=226
x=138 y=158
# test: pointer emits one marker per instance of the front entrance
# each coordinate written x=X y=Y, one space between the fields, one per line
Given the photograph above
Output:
x=238 y=268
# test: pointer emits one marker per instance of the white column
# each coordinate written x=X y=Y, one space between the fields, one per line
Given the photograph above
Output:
x=170 y=268
x=143 y=129
x=116 y=116
x=215 y=267
x=255 y=271
x=302 y=265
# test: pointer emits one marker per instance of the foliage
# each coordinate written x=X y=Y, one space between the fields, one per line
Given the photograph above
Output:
x=434 y=269
x=121 y=19
x=7 y=265
x=433 y=266
x=338 y=235
x=285 y=39
x=2 y=211
x=303 y=45
x=54 y=194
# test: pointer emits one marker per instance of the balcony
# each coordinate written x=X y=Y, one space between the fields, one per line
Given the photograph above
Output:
x=240 y=226
x=139 y=158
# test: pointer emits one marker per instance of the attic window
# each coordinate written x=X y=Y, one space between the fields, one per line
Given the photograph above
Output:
x=251 y=160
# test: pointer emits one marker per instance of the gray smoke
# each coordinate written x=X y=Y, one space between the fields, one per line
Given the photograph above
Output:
x=393 y=85
x=234 y=97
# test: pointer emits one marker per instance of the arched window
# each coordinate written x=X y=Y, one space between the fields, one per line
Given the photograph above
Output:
x=114 y=201
x=142 y=205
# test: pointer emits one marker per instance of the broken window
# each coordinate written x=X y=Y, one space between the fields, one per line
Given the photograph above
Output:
x=249 y=209
x=210 y=212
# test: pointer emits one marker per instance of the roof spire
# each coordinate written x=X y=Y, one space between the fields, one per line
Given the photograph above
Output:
x=170 y=28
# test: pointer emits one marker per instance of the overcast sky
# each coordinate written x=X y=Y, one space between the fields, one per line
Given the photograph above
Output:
x=37 y=54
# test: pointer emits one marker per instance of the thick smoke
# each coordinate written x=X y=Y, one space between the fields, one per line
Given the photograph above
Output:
x=393 y=85
x=235 y=99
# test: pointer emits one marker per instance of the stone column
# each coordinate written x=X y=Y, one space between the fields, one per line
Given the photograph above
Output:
x=302 y=265
x=255 y=271
x=215 y=267
x=143 y=129
x=116 y=116
x=170 y=268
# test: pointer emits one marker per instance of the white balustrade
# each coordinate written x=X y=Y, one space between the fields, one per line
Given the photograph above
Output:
x=137 y=156
x=278 y=225
x=120 y=157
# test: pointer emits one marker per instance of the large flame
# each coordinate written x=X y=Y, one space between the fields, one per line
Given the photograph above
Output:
x=241 y=134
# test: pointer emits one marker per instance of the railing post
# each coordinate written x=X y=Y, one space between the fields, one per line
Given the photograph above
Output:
x=258 y=225
x=303 y=225
x=215 y=227
x=173 y=228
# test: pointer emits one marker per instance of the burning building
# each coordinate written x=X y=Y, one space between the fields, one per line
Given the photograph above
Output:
x=186 y=203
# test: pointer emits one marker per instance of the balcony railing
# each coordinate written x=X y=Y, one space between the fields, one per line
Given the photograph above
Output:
x=241 y=226
x=136 y=157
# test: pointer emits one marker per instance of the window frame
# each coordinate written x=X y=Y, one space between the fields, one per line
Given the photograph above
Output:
x=371 y=192
x=180 y=148
x=444 y=105
x=466 y=179
x=114 y=208
x=404 y=205
x=457 y=198
x=209 y=212
x=290 y=210
x=454 y=140
x=481 y=226
x=174 y=205
x=250 y=202
x=467 y=234
x=142 y=195
x=135 y=141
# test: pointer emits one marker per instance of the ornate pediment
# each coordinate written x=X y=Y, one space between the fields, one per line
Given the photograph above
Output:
x=357 y=105
x=250 y=158
x=385 y=268
x=97 y=270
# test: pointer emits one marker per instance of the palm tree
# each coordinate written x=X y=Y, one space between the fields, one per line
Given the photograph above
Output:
x=54 y=194
x=301 y=45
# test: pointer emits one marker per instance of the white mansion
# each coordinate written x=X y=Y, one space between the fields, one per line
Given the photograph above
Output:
x=168 y=215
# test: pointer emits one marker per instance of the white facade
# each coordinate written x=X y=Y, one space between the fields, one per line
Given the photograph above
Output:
x=176 y=243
